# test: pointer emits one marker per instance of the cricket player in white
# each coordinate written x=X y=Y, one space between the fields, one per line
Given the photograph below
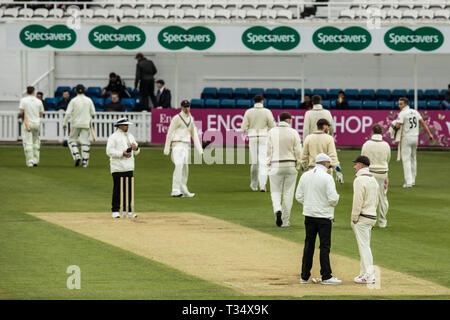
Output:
x=284 y=150
x=257 y=121
x=121 y=149
x=314 y=115
x=80 y=111
x=364 y=216
x=379 y=153
x=181 y=130
x=408 y=120
x=31 y=111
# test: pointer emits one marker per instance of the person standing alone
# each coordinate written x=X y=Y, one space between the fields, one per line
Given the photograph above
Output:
x=284 y=150
x=317 y=193
x=145 y=77
x=257 y=121
x=121 y=150
x=31 y=111
x=80 y=112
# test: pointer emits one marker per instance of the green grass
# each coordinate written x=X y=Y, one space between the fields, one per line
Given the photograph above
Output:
x=35 y=254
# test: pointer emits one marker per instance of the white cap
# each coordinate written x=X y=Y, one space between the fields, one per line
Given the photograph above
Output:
x=122 y=121
x=321 y=157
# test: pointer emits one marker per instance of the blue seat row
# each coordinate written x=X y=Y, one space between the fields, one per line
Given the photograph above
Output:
x=294 y=94
x=99 y=103
x=93 y=92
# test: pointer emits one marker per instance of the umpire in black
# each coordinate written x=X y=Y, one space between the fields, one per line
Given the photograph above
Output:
x=145 y=77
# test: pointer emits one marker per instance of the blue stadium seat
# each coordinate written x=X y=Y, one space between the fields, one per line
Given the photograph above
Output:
x=241 y=93
x=290 y=104
x=433 y=105
x=197 y=103
x=333 y=93
x=299 y=93
x=320 y=92
x=129 y=102
x=209 y=93
x=355 y=104
x=51 y=103
x=272 y=93
x=383 y=94
x=135 y=93
x=326 y=104
x=351 y=94
x=333 y=104
x=243 y=103
x=431 y=94
x=107 y=100
x=367 y=94
x=422 y=104
x=288 y=94
x=98 y=102
x=442 y=94
x=73 y=92
x=274 y=104
x=94 y=92
x=255 y=91
x=60 y=90
x=212 y=103
x=386 y=105
x=225 y=93
x=410 y=95
x=398 y=93
x=370 y=105
x=227 y=103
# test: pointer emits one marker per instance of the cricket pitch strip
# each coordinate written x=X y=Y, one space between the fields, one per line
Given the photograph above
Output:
x=246 y=260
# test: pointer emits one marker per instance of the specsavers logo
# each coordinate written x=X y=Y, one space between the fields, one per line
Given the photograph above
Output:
x=280 y=38
x=403 y=38
x=58 y=36
x=351 y=38
x=196 y=38
x=126 y=37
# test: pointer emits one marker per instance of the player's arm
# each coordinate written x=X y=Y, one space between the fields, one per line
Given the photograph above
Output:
x=269 y=149
x=426 y=128
x=169 y=135
x=67 y=115
x=332 y=195
x=111 y=149
x=297 y=150
x=331 y=128
x=194 y=135
x=300 y=192
x=245 y=123
x=358 y=191
x=305 y=154
x=306 y=127
x=270 y=120
x=134 y=145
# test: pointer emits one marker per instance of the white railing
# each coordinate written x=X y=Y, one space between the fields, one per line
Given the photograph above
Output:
x=53 y=121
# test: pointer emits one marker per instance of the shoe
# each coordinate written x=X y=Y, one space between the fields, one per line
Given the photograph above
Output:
x=302 y=281
x=407 y=185
x=115 y=215
x=35 y=165
x=285 y=225
x=30 y=165
x=279 y=222
x=84 y=164
x=132 y=215
x=188 y=195
x=124 y=215
x=77 y=162
x=176 y=194
x=332 y=280
x=253 y=188
x=413 y=184
x=364 y=280
x=382 y=225
x=262 y=190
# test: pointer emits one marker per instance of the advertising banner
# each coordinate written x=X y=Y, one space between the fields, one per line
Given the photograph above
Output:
x=353 y=127
x=230 y=39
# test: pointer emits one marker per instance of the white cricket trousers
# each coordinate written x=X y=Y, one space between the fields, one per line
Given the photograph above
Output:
x=383 y=203
x=409 y=151
x=180 y=157
x=31 y=144
x=258 y=160
x=282 y=188
x=80 y=135
x=363 y=232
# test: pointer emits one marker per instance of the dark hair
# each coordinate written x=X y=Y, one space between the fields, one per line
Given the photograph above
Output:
x=404 y=99
x=66 y=91
x=258 y=98
x=285 y=115
x=139 y=56
x=341 y=92
x=30 y=89
x=316 y=99
x=115 y=93
x=160 y=81
x=41 y=93
x=112 y=75
x=79 y=88
x=377 y=128
x=321 y=123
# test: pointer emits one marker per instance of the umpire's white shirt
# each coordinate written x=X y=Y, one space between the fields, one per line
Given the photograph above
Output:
x=119 y=142
x=316 y=190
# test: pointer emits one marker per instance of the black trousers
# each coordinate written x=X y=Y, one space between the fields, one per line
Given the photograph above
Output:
x=116 y=190
x=147 y=89
x=314 y=226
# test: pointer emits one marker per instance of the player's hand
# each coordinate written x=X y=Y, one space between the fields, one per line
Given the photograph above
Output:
x=126 y=154
x=166 y=152
x=134 y=146
x=339 y=175
x=355 y=221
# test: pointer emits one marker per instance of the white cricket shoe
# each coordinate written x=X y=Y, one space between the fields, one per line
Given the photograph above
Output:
x=188 y=195
x=286 y=225
x=364 y=280
x=302 y=281
x=331 y=281
x=176 y=194
x=132 y=215
x=115 y=215
x=407 y=185
x=254 y=188
x=382 y=225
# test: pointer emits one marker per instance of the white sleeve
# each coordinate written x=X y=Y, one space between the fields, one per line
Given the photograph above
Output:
x=300 y=194
x=133 y=140
x=111 y=150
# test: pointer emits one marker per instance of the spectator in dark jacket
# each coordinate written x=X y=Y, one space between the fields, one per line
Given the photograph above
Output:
x=445 y=104
x=115 y=84
x=163 y=95
x=115 y=105
x=340 y=102
x=307 y=103
x=40 y=96
x=64 y=102
x=145 y=77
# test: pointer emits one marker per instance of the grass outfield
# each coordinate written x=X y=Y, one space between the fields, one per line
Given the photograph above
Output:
x=35 y=254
